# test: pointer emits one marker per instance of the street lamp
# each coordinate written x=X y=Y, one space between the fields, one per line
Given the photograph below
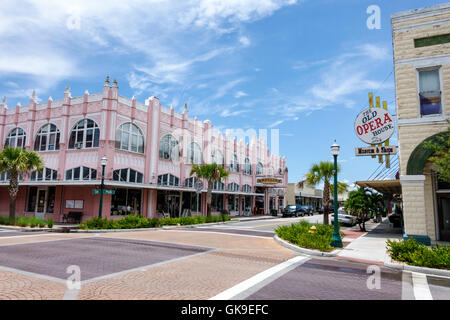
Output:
x=102 y=186
x=336 y=240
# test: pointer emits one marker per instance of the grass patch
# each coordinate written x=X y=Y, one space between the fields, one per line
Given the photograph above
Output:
x=416 y=254
x=298 y=234
x=137 y=222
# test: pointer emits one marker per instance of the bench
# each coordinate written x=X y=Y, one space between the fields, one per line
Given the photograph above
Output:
x=73 y=216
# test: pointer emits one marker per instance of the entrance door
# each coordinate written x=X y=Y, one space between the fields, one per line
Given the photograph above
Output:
x=41 y=203
x=444 y=216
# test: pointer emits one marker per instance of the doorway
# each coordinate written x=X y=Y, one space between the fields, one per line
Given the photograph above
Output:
x=443 y=200
x=41 y=200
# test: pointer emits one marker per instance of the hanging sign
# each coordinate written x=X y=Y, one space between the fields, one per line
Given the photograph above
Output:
x=375 y=151
x=374 y=125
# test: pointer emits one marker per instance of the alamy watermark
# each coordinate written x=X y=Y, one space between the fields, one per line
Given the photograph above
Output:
x=374 y=280
x=374 y=19
x=73 y=282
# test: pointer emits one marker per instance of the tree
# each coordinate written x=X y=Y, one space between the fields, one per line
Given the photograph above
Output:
x=322 y=172
x=364 y=204
x=212 y=173
x=16 y=161
x=441 y=155
x=342 y=187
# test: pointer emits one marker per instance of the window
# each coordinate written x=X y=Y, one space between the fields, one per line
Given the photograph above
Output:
x=189 y=182
x=217 y=157
x=85 y=134
x=16 y=138
x=126 y=201
x=47 y=139
x=168 y=148
x=246 y=188
x=259 y=168
x=218 y=185
x=129 y=137
x=46 y=175
x=247 y=167
x=233 y=187
x=41 y=200
x=128 y=175
x=216 y=202
x=194 y=154
x=429 y=92
x=5 y=176
x=81 y=173
x=234 y=165
x=168 y=180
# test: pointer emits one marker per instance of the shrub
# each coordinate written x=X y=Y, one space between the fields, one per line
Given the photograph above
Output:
x=41 y=223
x=33 y=222
x=22 y=221
x=298 y=234
x=50 y=223
x=413 y=253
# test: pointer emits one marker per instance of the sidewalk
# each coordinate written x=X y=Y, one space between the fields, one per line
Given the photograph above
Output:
x=370 y=246
x=257 y=217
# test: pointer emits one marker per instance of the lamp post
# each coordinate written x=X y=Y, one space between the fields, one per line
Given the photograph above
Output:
x=336 y=237
x=102 y=186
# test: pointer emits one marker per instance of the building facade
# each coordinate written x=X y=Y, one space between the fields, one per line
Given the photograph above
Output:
x=149 y=150
x=421 y=41
x=304 y=194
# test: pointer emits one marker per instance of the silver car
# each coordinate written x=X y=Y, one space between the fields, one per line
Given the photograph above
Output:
x=344 y=218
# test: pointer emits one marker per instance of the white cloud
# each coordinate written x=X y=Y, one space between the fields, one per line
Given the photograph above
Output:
x=239 y=94
x=244 y=41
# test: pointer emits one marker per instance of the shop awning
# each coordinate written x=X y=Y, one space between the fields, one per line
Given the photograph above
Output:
x=382 y=186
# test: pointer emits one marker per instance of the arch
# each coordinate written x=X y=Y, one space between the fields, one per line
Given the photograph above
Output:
x=47 y=138
x=84 y=134
x=129 y=137
x=420 y=154
x=16 y=138
x=194 y=154
x=169 y=148
x=259 y=168
x=247 y=167
x=234 y=164
x=128 y=175
x=217 y=157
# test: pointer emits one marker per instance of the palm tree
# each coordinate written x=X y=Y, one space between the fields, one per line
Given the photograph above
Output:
x=364 y=204
x=212 y=173
x=322 y=172
x=16 y=161
x=342 y=187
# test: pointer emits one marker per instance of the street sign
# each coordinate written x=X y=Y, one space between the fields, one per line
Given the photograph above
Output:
x=375 y=151
x=198 y=186
x=105 y=191
x=374 y=125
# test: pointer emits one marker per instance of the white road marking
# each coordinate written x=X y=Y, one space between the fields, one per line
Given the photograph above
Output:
x=421 y=288
x=223 y=233
x=260 y=277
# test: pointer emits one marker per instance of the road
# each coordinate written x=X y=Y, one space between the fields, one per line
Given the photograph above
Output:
x=238 y=260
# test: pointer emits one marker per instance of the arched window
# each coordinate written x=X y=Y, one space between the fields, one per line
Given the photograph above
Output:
x=168 y=148
x=128 y=175
x=194 y=154
x=129 y=137
x=46 y=175
x=259 y=168
x=233 y=186
x=217 y=157
x=234 y=165
x=168 y=180
x=16 y=138
x=81 y=173
x=247 y=167
x=85 y=134
x=47 y=139
x=246 y=188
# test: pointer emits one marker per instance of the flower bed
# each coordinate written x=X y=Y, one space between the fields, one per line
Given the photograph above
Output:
x=136 y=222
x=303 y=236
x=416 y=254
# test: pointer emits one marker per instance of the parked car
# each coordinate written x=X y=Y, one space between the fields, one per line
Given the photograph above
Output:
x=309 y=210
x=293 y=210
x=344 y=218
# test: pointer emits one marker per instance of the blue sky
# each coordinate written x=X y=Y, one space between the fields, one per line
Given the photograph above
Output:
x=304 y=67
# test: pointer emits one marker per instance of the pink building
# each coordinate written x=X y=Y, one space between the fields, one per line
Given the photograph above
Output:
x=149 y=149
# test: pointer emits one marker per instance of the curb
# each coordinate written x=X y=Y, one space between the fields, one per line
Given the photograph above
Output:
x=24 y=229
x=293 y=247
x=431 y=271
x=171 y=227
